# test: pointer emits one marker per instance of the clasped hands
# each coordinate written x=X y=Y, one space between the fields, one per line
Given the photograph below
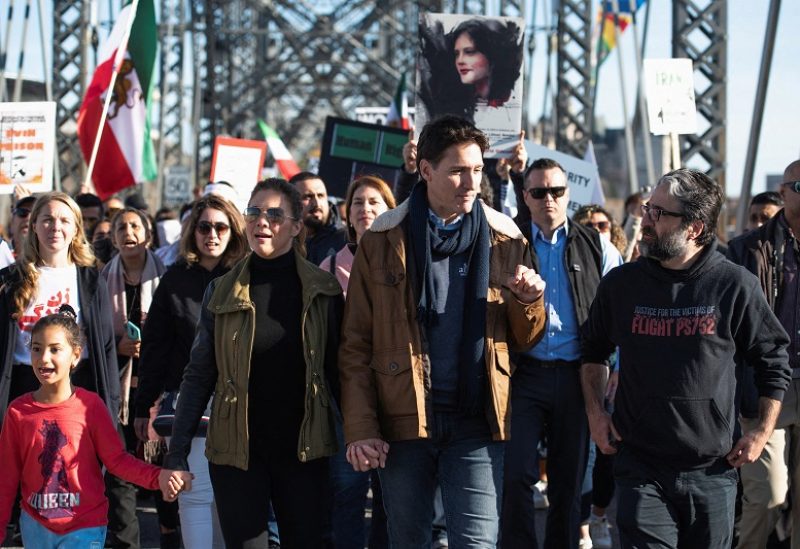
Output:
x=367 y=454
x=172 y=483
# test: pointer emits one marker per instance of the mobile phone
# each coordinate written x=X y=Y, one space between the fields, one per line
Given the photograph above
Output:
x=133 y=331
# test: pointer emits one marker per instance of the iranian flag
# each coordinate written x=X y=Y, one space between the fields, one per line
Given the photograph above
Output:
x=275 y=146
x=125 y=155
x=398 y=110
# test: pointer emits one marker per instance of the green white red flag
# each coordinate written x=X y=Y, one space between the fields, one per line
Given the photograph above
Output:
x=126 y=155
x=275 y=146
x=398 y=110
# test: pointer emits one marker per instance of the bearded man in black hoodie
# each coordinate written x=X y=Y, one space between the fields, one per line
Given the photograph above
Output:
x=678 y=316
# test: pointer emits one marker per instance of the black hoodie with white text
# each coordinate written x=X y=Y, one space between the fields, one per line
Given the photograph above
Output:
x=677 y=333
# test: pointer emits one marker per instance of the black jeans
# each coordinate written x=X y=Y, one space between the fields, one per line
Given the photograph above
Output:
x=544 y=401
x=660 y=507
x=299 y=493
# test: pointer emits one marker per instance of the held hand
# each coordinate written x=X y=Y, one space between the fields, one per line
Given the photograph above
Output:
x=129 y=347
x=410 y=154
x=171 y=483
x=140 y=425
x=503 y=169
x=604 y=434
x=519 y=156
x=748 y=448
x=367 y=454
x=526 y=285
x=20 y=192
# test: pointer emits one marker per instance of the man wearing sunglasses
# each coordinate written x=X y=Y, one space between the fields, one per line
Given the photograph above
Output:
x=546 y=396
x=771 y=253
x=441 y=288
x=680 y=316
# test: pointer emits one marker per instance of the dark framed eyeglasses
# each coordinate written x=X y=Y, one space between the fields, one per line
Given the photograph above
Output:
x=204 y=228
x=274 y=216
x=793 y=185
x=600 y=225
x=539 y=193
x=22 y=212
x=655 y=213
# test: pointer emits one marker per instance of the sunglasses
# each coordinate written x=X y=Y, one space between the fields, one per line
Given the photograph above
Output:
x=274 y=216
x=793 y=185
x=204 y=228
x=600 y=225
x=22 y=212
x=539 y=193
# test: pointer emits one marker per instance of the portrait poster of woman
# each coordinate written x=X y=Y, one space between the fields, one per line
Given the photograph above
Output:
x=471 y=66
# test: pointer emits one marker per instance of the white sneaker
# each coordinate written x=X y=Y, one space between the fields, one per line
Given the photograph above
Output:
x=601 y=533
x=540 y=500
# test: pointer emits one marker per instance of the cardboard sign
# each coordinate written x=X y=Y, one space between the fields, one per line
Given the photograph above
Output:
x=455 y=77
x=239 y=162
x=27 y=142
x=582 y=176
x=669 y=87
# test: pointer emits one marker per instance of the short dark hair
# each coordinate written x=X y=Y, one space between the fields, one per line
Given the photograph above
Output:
x=766 y=198
x=542 y=164
x=442 y=133
x=287 y=189
x=89 y=200
x=303 y=176
x=701 y=199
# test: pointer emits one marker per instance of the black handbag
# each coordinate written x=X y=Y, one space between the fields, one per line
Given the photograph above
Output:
x=165 y=419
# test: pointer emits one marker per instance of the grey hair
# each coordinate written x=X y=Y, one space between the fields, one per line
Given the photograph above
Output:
x=700 y=197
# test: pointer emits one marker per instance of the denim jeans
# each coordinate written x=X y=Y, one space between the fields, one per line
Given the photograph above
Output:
x=545 y=401
x=468 y=466
x=660 y=507
x=36 y=535
x=349 y=490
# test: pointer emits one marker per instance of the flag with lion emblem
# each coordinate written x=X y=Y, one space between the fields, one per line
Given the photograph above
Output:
x=126 y=155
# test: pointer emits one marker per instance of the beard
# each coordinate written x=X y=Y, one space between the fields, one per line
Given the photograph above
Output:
x=664 y=247
x=313 y=223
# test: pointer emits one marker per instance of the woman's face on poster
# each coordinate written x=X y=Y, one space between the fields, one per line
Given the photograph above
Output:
x=471 y=64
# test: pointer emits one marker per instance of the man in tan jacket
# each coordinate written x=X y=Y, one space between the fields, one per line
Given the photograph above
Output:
x=440 y=290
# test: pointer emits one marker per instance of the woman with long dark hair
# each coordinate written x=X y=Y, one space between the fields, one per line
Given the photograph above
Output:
x=475 y=64
x=266 y=346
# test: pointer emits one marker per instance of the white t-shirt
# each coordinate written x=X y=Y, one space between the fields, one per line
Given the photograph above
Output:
x=6 y=257
x=57 y=286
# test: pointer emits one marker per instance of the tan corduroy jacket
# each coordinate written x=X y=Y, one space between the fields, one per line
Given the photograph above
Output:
x=383 y=367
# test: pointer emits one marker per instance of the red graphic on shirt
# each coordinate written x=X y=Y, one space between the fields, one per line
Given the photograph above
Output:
x=26 y=322
x=54 y=499
x=674 y=322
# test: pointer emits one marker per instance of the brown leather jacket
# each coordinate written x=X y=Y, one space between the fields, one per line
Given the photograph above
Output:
x=384 y=369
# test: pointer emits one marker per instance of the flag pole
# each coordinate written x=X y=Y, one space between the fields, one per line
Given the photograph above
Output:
x=118 y=58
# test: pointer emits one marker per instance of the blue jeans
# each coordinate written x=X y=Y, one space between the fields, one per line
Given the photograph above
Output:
x=660 y=507
x=36 y=535
x=545 y=402
x=468 y=466
x=349 y=490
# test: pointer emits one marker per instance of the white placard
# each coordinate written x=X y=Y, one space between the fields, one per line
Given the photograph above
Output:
x=582 y=176
x=471 y=66
x=27 y=141
x=239 y=162
x=669 y=86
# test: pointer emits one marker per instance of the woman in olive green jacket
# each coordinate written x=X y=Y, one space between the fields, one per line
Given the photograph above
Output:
x=266 y=347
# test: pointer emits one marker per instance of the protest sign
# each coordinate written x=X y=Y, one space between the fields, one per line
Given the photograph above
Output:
x=471 y=66
x=27 y=141
x=350 y=149
x=239 y=162
x=669 y=87
x=582 y=176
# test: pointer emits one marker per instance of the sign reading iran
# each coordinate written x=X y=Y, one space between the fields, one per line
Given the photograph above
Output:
x=669 y=87
x=582 y=176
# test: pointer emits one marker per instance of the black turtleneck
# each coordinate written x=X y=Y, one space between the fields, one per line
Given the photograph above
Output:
x=277 y=365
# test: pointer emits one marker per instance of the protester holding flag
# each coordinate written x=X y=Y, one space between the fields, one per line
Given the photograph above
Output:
x=114 y=118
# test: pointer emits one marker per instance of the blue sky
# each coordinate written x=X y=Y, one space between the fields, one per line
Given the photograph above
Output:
x=780 y=136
